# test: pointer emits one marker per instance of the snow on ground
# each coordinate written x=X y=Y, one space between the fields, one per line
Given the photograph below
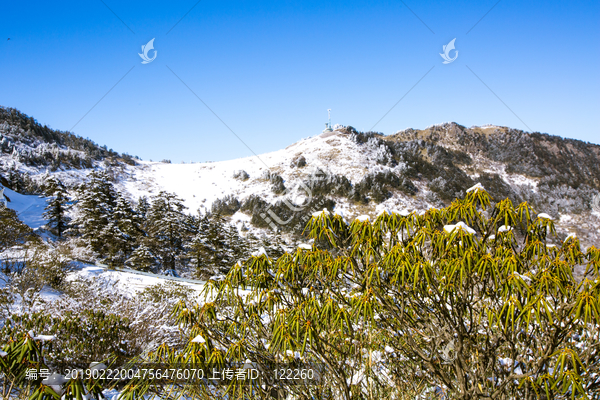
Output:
x=200 y=184
x=129 y=282
x=29 y=208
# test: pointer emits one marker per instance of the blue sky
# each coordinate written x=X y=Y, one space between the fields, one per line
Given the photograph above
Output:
x=269 y=70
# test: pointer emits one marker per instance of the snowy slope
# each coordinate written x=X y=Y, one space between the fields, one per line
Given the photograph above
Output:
x=129 y=281
x=28 y=208
x=335 y=153
x=200 y=184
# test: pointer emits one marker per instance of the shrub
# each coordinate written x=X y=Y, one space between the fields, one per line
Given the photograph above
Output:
x=228 y=205
x=13 y=231
x=376 y=187
x=168 y=291
x=446 y=299
x=298 y=162
x=324 y=184
x=241 y=175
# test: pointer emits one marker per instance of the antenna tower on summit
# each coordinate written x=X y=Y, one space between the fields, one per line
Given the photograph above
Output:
x=328 y=124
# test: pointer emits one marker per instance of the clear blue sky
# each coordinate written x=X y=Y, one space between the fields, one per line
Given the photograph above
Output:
x=271 y=69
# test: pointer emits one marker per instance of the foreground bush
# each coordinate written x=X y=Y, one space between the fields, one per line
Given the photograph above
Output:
x=468 y=302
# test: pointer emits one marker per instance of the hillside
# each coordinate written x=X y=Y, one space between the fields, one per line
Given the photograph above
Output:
x=409 y=170
x=352 y=172
x=28 y=147
x=120 y=259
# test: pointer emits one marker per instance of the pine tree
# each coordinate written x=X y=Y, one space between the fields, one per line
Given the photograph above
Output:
x=95 y=206
x=216 y=247
x=128 y=222
x=142 y=259
x=142 y=207
x=12 y=230
x=167 y=229
x=57 y=206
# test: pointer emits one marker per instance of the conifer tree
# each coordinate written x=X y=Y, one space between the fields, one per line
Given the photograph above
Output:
x=142 y=259
x=95 y=205
x=167 y=228
x=216 y=247
x=142 y=207
x=125 y=226
x=12 y=230
x=57 y=205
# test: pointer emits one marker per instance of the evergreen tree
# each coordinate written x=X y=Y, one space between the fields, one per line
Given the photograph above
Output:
x=57 y=206
x=167 y=228
x=142 y=259
x=215 y=248
x=273 y=245
x=94 y=211
x=128 y=223
x=142 y=207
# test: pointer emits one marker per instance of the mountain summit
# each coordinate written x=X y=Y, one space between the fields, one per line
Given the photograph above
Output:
x=350 y=172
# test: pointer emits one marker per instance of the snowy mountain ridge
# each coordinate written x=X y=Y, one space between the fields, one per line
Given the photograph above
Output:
x=357 y=174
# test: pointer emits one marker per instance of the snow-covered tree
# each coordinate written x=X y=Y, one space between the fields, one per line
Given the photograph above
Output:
x=142 y=259
x=142 y=207
x=12 y=230
x=57 y=205
x=216 y=247
x=167 y=227
x=95 y=204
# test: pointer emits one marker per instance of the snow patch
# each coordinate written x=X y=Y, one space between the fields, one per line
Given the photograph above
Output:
x=198 y=339
x=462 y=226
x=260 y=252
x=478 y=186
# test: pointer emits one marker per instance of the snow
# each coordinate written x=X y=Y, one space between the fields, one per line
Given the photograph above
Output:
x=462 y=226
x=544 y=216
x=128 y=281
x=44 y=338
x=198 y=339
x=319 y=213
x=260 y=252
x=478 y=186
x=505 y=228
x=305 y=246
x=29 y=208
x=200 y=184
x=362 y=218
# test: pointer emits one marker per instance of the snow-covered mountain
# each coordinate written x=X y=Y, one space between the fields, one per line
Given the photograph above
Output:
x=355 y=173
